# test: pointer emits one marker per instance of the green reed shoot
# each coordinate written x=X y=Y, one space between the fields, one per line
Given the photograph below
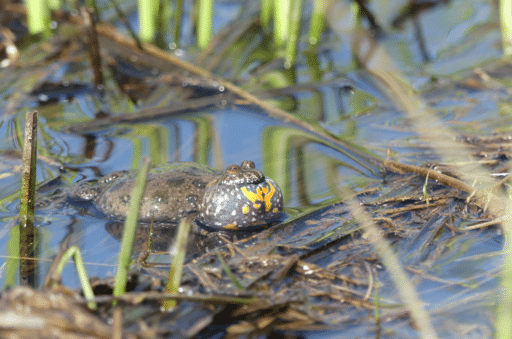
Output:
x=266 y=10
x=130 y=229
x=281 y=21
x=504 y=309
x=229 y=273
x=38 y=16
x=317 y=20
x=505 y=9
x=163 y=15
x=177 y=28
x=204 y=23
x=54 y=4
x=27 y=200
x=74 y=252
x=28 y=173
x=291 y=46
x=13 y=253
x=147 y=16
x=178 y=258
x=21 y=241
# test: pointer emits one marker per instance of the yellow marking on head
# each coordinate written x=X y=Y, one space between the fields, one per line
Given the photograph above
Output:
x=253 y=196
x=245 y=209
x=268 y=196
x=230 y=227
x=256 y=206
x=262 y=194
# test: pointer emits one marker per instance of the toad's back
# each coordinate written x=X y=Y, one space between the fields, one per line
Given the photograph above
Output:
x=172 y=192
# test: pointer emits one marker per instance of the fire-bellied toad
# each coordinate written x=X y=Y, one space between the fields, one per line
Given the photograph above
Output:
x=237 y=198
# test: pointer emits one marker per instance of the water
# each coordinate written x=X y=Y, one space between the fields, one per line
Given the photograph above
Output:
x=332 y=94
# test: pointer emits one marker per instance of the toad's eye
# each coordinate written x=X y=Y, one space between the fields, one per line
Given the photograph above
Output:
x=233 y=170
x=247 y=164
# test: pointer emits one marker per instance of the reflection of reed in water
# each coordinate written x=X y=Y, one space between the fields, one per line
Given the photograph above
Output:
x=311 y=170
x=163 y=235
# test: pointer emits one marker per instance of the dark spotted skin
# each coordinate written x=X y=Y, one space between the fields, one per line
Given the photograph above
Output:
x=237 y=198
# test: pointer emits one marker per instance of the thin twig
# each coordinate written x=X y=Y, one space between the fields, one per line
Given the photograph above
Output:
x=94 y=47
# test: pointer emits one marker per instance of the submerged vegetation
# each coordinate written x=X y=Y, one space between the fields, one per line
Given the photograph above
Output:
x=323 y=267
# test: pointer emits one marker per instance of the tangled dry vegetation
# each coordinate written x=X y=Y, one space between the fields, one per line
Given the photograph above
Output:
x=316 y=271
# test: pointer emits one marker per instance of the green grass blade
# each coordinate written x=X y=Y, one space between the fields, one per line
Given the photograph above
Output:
x=13 y=259
x=504 y=309
x=177 y=28
x=27 y=201
x=230 y=274
x=281 y=21
x=147 y=17
x=176 y=269
x=266 y=13
x=38 y=16
x=204 y=23
x=291 y=47
x=506 y=25
x=130 y=229
x=163 y=24
x=54 y=4
x=396 y=272
x=28 y=174
x=74 y=252
x=317 y=23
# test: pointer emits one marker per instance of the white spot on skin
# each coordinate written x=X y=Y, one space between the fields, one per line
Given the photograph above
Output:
x=233 y=213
